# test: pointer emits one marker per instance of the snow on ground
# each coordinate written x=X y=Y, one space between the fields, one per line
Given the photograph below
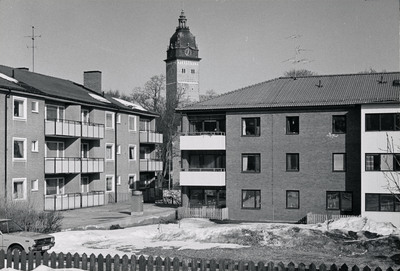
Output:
x=201 y=234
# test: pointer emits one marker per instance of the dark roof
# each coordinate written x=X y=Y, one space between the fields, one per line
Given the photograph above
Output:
x=53 y=87
x=309 y=91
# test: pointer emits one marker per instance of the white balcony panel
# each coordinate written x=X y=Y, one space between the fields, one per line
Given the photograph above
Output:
x=150 y=165
x=202 y=142
x=151 y=137
x=202 y=178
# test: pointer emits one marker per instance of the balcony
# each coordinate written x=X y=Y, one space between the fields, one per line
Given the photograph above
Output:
x=58 y=165
x=151 y=137
x=203 y=141
x=71 y=128
x=202 y=177
x=68 y=128
x=92 y=130
x=150 y=165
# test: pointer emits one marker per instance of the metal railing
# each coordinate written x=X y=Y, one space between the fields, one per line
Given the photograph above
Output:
x=92 y=130
x=150 y=137
x=54 y=165
x=203 y=133
x=204 y=169
x=72 y=128
x=150 y=165
x=73 y=200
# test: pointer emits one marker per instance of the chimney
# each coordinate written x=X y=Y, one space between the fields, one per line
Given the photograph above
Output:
x=92 y=80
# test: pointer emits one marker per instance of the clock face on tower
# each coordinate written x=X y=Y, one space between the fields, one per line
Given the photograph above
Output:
x=188 y=51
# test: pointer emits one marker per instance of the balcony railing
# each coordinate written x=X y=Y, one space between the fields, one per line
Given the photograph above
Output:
x=202 y=177
x=202 y=141
x=150 y=165
x=203 y=133
x=71 y=128
x=73 y=200
x=54 y=165
x=203 y=169
x=150 y=137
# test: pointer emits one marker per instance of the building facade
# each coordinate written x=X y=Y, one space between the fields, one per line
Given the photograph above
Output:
x=280 y=149
x=68 y=145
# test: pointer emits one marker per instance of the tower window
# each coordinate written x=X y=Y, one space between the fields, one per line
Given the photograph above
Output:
x=193 y=71
x=183 y=70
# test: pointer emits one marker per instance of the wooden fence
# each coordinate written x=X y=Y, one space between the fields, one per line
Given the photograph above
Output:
x=203 y=212
x=320 y=218
x=27 y=262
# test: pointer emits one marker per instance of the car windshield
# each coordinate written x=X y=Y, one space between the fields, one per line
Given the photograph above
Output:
x=9 y=227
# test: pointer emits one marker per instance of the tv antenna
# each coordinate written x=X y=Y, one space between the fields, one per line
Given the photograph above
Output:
x=297 y=51
x=33 y=37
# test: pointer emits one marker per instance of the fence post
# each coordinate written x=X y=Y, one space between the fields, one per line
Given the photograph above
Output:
x=260 y=266
x=46 y=258
x=16 y=259
x=84 y=262
x=167 y=264
x=133 y=263
x=150 y=263
x=68 y=261
x=2 y=258
x=116 y=263
x=251 y=266
x=108 y=262
x=23 y=260
x=30 y=261
x=159 y=264
x=93 y=263
x=100 y=263
x=142 y=263
x=53 y=260
x=291 y=266
x=175 y=264
x=125 y=263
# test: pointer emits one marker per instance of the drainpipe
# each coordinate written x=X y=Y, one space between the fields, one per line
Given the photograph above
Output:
x=115 y=157
x=7 y=96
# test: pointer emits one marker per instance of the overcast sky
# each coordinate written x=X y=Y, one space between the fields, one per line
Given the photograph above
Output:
x=240 y=42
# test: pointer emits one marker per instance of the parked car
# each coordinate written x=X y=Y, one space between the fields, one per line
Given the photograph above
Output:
x=14 y=238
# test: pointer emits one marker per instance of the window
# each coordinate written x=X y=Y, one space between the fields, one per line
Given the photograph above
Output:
x=292 y=162
x=251 y=127
x=251 y=163
x=109 y=183
x=35 y=146
x=339 y=162
x=338 y=200
x=132 y=182
x=132 y=123
x=118 y=118
x=382 y=202
x=54 y=149
x=193 y=71
x=382 y=162
x=85 y=117
x=54 y=186
x=19 y=108
x=292 y=199
x=339 y=124
x=183 y=70
x=119 y=180
x=35 y=185
x=132 y=152
x=292 y=125
x=35 y=107
x=251 y=199
x=109 y=120
x=84 y=150
x=19 y=149
x=109 y=151
x=54 y=112
x=19 y=189
x=118 y=149
x=85 y=184
x=382 y=122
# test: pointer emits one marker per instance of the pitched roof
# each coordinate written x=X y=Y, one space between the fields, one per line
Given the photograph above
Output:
x=324 y=90
x=54 y=87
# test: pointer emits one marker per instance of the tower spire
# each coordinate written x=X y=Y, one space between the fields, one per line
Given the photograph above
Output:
x=182 y=20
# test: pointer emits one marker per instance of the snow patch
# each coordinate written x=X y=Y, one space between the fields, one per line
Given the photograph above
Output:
x=8 y=78
x=99 y=98
x=129 y=104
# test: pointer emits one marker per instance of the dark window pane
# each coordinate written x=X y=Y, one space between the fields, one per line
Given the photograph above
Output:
x=196 y=197
x=292 y=199
x=332 y=200
x=387 y=122
x=339 y=124
x=372 y=122
x=251 y=199
x=371 y=202
x=372 y=162
x=292 y=125
x=387 y=203
x=397 y=203
x=292 y=162
x=396 y=162
x=251 y=126
x=251 y=163
x=346 y=201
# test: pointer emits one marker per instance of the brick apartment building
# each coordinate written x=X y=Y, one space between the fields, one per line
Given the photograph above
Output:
x=277 y=150
x=65 y=145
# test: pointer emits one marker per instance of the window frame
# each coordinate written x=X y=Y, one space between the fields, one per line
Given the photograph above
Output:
x=59 y=108
x=112 y=152
x=35 y=146
x=24 y=187
x=134 y=186
x=85 y=115
x=24 y=158
x=134 y=123
x=394 y=167
x=298 y=199
x=257 y=124
x=129 y=152
x=379 y=195
x=256 y=165
x=297 y=161
x=255 y=199
x=34 y=185
x=35 y=106
x=288 y=125
x=119 y=182
x=112 y=183
x=340 y=207
x=24 y=108
x=60 y=188
x=344 y=162
x=395 y=121
x=85 y=185
x=334 y=123
x=112 y=114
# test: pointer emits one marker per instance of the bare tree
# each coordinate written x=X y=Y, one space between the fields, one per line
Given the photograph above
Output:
x=209 y=95
x=151 y=96
x=392 y=160
x=301 y=72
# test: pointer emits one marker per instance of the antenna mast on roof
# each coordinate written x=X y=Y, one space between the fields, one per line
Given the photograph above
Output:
x=33 y=46
x=297 y=50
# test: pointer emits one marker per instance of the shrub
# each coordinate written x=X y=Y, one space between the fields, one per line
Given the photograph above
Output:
x=25 y=215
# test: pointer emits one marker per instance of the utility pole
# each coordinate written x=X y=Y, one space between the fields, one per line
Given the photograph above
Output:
x=33 y=46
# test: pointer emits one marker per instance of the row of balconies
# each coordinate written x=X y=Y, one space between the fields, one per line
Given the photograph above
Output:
x=90 y=165
x=70 y=128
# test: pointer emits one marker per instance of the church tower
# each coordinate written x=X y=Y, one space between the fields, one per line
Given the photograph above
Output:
x=182 y=64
